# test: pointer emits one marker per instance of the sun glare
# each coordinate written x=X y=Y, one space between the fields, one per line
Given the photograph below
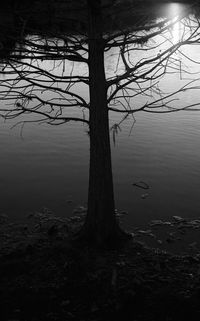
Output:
x=174 y=10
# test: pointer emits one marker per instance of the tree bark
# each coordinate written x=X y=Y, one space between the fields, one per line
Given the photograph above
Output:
x=101 y=225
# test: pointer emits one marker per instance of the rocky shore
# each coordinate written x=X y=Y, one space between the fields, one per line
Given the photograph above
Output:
x=44 y=275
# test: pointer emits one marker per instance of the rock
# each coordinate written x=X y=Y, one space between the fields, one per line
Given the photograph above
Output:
x=178 y=218
x=193 y=245
x=69 y=201
x=143 y=196
x=121 y=264
x=156 y=222
x=80 y=210
x=65 y=303
x=141 y=185
x=124 y=213
x=167 y=223
x=146 y=232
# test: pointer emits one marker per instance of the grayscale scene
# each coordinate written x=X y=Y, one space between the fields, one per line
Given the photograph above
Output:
x=100 y=154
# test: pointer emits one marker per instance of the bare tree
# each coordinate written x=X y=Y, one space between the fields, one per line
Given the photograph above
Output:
x=64 y=77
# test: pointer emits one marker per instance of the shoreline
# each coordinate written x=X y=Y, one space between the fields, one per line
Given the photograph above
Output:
x=51 y=278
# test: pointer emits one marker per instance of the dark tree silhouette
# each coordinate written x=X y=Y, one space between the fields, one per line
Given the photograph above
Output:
x=46 y=74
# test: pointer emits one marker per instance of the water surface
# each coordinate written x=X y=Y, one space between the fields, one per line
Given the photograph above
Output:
x=48 y=165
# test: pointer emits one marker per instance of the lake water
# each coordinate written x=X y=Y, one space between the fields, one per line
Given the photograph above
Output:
x=48 y=165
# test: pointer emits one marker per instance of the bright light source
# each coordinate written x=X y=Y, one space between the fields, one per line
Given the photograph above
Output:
x=174 y=9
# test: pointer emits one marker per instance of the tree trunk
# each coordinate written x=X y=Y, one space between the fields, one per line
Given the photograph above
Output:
x=101 y=225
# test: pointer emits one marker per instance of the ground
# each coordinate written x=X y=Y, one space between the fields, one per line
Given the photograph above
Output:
x=46 y=276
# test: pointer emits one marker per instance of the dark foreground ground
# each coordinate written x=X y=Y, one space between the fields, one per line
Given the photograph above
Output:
x=45 y=277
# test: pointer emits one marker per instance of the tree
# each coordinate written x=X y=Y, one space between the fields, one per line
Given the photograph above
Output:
x=32 y=88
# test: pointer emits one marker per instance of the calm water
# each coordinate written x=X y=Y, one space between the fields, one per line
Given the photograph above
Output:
x=48 y=165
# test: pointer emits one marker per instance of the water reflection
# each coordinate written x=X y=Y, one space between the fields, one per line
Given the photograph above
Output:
x=174 y=11
x=176 y=31
x=46 y=158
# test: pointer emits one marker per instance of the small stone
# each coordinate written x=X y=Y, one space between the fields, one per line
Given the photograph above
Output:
x=80 y=210
x=65 y=302
x=156 y=222
x=193 y=244
x=143 y=196
x=144 y=231
x=94 y=308
x=69 y=201
x=124 y=212
x=178 y=218
x=121 y=264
